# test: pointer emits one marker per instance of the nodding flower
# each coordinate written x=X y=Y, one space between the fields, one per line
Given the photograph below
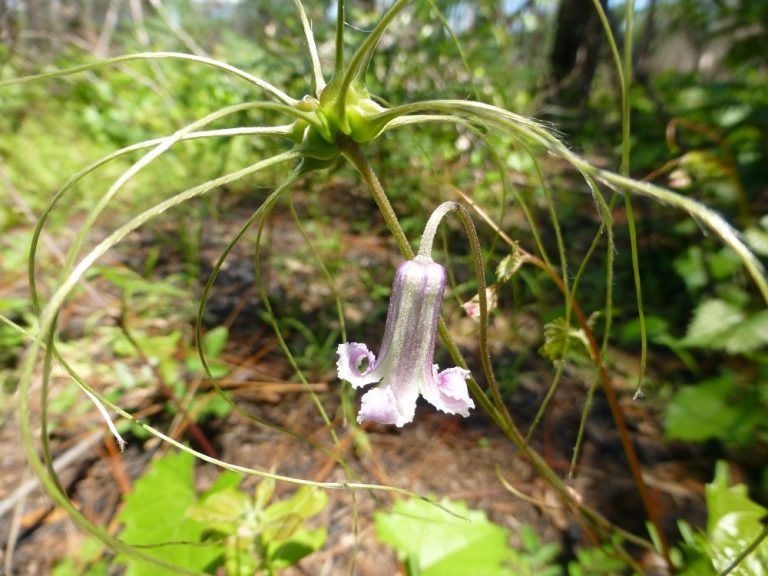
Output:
x=405 y=367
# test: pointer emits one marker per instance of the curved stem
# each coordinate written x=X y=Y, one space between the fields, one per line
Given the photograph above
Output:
x=318 y=82
x=425 y=249
x=352 y=152
x=361 y=58
x=605 y=380
x=263 y=84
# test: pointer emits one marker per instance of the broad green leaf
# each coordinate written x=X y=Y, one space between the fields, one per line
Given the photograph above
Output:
x=757 y=239
x=227 y=479
x=156 y=512
x=214 y=341
x=711 y=319
x=302 y=543
x=720 y=325
x=596 y=561
x=655 y=327
x=734 y=523
x=132 y=282
x=439 y=544
x=221 y=511
x=690 y=267
x=217 y=368
x=86 y=562
x=263 y=493
x=306 y=502
x=696 y=413
x=155 y=347
x=281 y=528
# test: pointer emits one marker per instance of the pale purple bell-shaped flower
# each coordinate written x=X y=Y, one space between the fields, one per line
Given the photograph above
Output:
x=405 y=367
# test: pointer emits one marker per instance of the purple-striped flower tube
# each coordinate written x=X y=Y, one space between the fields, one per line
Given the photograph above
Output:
x=405 y=368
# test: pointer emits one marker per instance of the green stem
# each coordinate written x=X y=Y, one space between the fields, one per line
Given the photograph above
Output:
x=339 y=64
x=626 y=146
x=361 y=58
x=352 y=152
x=425 y=250
x=354 y=155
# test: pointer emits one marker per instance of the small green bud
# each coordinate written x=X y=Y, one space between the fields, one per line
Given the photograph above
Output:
x=361 y=116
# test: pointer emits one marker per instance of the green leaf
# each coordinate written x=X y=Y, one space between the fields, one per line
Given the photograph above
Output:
x=596 y=561
x=156 y=512
x=439 y=544
x=720 y=325
x=305 y=502
x=757 y=239
x=734 y=523
x=707 y=410
x=222 y=511
x=558 y=336
x=655 y=327
x=227 y=479
x=509 y=266
x=217 y=367
x=263 y=493
x=155 y=347
x=214 y=341
x=86 y=562
x=132 y=282
x=301 y=544
x=690 y=267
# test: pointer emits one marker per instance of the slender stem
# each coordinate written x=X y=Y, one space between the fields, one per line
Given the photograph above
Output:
x=317 y=71
x=610 y=393
x=626 y=121
x=425 y=250
x=263 y=84
x=339 y=64
x=428 y=238
x=362 y=56
x=355 y=156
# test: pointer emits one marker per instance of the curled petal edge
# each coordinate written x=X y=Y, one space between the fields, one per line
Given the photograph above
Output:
x=351 y=356
x=452 y=395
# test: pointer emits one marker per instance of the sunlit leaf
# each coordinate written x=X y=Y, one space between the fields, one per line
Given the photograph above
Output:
x=509 y=266
x=439 y=544
x=734 y=523
x=156 y=512
x=720 y=325
x=696 y=413
x=215 y=340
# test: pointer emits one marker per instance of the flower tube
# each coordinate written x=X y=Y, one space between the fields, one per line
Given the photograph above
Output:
x=405 y=367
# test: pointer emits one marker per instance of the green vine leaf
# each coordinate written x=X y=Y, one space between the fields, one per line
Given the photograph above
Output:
x=560 y=339
x=720 y=325
x=734 y=523
x=434 y=543
x=509 y=266
x=156 y=513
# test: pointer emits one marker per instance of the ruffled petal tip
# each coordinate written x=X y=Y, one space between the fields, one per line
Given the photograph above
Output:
x=453 y=393
x=380 y=405
x=351 y=356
